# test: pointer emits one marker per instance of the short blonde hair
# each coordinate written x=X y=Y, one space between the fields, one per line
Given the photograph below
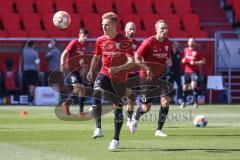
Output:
x=110 y=15
x=160 y=21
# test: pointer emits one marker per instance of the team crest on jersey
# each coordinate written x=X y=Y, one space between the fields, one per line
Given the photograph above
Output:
x=125 y=44
x=109 y=46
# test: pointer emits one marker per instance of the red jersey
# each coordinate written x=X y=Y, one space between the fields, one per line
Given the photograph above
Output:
x=155 y=54
x=135 y=44
x=191 y=55
x=75 y=50
x=114 y=52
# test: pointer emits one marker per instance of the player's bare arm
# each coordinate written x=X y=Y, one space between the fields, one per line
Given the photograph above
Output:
x=128 y=65
x=139 y=63
x=200 y=62
x=94 y=63
x=63 y=59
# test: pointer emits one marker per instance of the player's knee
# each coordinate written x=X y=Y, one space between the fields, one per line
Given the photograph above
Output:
x=146 y=108
x=164 y=101
x=97 y=94
x=130 y=103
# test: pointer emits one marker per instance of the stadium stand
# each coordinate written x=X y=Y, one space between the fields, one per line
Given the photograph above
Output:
x=84 y=7
x=101 y=7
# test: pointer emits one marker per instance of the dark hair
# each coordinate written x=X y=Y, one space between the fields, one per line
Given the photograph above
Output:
x=83 y=31
x=30 y=43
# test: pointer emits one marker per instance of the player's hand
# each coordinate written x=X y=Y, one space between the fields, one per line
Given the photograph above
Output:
x=113 y=70
x=203 y=61
x=183 y=60
x=192 y=62
x=90 y=76
x=169 y=62
x=149 y=74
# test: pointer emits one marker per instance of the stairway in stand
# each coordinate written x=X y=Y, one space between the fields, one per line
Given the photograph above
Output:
x=212 y=16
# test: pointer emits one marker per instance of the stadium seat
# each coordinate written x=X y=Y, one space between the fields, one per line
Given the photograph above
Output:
x=75 y=23
x=18 y=33
x=6 y=7
x=3 y=34
x=199 y=34
x=132 y=18
x=163 y=7
x=149 y=21
x=178 y=34
x=101 y=7
x=191 y=22
x=124 y=6
x=25 y=6
x=183 y=10
x=93 y=23
x=47 y=21
x=173 y=21
x=142 y=34
x=31 y=22
x=63 y=5
x=143 y=7
x=38 y=33
x=84 y=6
x=11 y=22
x=44 y=6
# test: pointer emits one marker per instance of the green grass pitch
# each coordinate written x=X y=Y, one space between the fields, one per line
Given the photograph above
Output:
x=41 y=136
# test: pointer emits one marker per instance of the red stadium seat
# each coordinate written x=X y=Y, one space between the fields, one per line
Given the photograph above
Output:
x=75 y=23
x=38 y=33
x=191 y=22
x=124 y=6
x=132 y=18
x=173 y=21
x=101 y=7
x=47 y=21
x=149 y=21
x=32 y=22
x=182 y=3
x=44 y=6
x=11 y=22
x=142 y=34
x=199 y=34
x=3 y=34
x=163 y=7
x=6 y=7
x=25 y=6
x=184 y=10
x=143 y=6
x=18 y=33
x=178 y=34
x=63 y=5
x=93 y=23
x=84 y=6
x=59 y=33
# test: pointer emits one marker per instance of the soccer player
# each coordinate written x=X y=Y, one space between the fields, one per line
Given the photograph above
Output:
x=155 y=49
x=192 y=60
x=71 y=60
x=116 y=54
x=130 y=31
